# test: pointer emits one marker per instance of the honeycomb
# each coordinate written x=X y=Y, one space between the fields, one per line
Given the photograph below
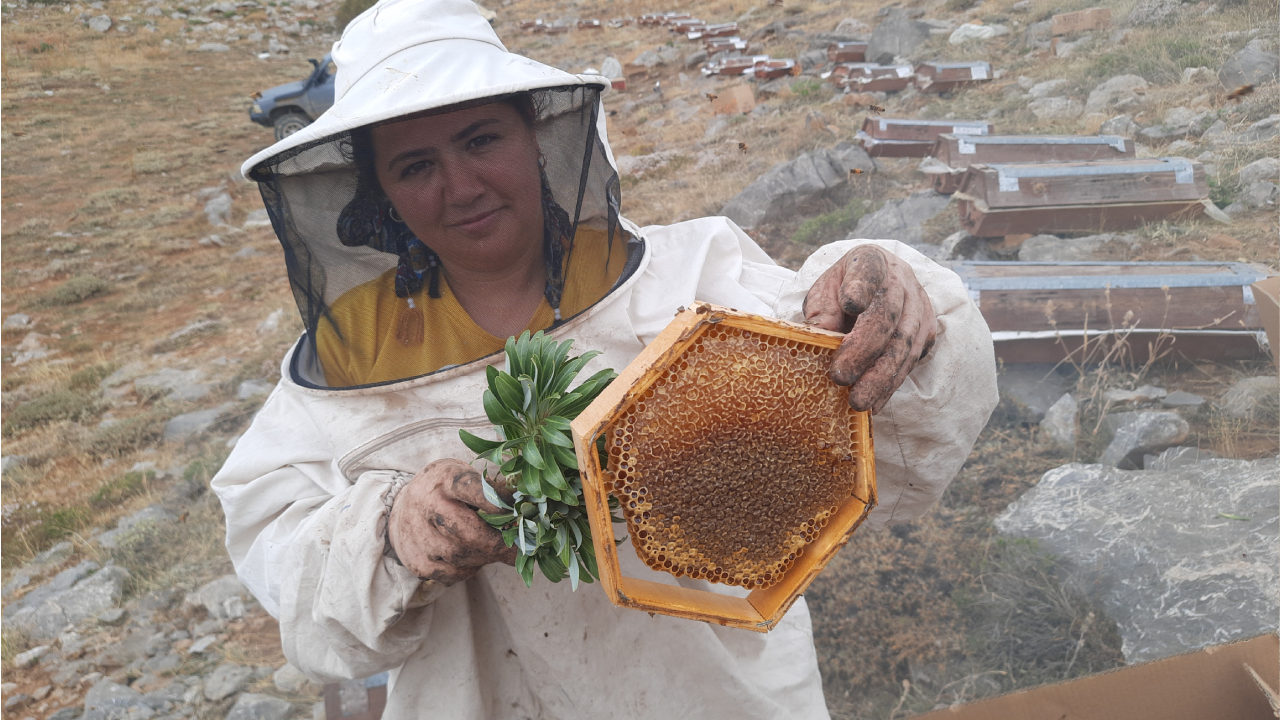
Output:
x=734 y=459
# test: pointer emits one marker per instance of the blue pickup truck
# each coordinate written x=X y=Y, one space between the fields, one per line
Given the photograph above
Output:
x=290 y=107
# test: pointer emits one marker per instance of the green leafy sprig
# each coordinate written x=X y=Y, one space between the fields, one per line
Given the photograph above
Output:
x=531 y=407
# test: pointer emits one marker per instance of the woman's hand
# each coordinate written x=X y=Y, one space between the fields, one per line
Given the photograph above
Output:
x=434 y=527
x=874 y=297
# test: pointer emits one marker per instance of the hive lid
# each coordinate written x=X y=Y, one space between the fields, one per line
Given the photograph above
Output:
x=736 y=460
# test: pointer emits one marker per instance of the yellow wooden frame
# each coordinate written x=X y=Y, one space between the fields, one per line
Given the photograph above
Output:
x=762 y=608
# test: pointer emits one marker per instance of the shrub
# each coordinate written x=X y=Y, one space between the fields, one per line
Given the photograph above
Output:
x=120 y=489
x=89 y=377
x=831 y=226
x=77 y=289
x=58 y=405
x=128 y=435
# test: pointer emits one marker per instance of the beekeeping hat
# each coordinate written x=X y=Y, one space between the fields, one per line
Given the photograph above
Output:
x=402 y=58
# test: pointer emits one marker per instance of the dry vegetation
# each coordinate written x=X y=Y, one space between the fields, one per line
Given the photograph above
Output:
x=108 y=138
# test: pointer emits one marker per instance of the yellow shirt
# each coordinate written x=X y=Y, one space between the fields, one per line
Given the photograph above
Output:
x=367 y=350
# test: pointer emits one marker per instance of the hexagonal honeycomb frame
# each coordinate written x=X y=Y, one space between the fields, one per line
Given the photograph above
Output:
x=762 y=608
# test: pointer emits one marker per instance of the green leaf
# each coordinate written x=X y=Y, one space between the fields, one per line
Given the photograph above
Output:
x=497 y=414
x=556 y=437
x=527 y=386
x=492 y=495
x=508 y=390
x=551 y=567
x=531 y=454
x=572 y=562
x=478 y=445
x=497 y=520
x=565 y=457
x=556 y=422
x=524 y=566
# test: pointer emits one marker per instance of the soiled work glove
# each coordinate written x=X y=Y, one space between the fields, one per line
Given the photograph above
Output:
x=872 y=296
x=434 y=528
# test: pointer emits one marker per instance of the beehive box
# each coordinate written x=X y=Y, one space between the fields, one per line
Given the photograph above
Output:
x=736 y=460
x=1094 y=18
x=774 y=69
x=937 y=77
x=719 y=30
x=734 y=66
x=847 y=52
x=715 y=45
x=1102 y=196
x=956 y=153
x=903 y=137
x=870 y=77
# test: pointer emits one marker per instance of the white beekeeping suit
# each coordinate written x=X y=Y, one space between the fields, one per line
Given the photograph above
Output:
x=308 y=488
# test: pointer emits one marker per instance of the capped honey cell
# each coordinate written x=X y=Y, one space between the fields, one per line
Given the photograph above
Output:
x=733 y=460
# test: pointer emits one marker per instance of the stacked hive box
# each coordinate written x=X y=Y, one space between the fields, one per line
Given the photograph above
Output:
x=955 y=153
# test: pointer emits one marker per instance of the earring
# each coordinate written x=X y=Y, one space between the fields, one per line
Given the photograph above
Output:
x=395 y=216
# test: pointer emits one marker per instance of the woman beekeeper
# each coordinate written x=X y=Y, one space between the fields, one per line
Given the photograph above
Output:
x=457 y=194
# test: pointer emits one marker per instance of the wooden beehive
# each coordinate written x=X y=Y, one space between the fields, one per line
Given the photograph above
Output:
x=1094 y=18
x=903 y=137
x=736 y=460
x=1046 y=311
x=847 y=52
x=774 y=69
x=870 y=77
x=1102 y=196
x=718 y=30
x=715 y=45
x=936 y=77
x=958 y=152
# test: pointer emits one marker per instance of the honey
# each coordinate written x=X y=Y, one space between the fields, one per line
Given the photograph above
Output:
x=735 y=458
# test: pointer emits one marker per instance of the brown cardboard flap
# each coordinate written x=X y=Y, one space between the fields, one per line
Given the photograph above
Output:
x=1203 y=685
x=1267 y=294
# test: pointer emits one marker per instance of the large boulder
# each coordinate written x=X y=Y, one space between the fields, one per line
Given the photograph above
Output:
x=1115 y=94
x=1253 y=65
x=779 y=191
x=256 y=706
x=111 y=701
x=1060 y=422
x=1264 y=170
x=73 y=596
x=903 y=219
x=1051 y=248
x=896 y=36
x=1056 y=108
x=1181 y=559
x=1153 y=12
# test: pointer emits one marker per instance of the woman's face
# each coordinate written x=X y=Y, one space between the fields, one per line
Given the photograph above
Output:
x=467 y=184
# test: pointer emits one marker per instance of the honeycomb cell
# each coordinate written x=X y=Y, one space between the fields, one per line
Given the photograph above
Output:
x=734 y=459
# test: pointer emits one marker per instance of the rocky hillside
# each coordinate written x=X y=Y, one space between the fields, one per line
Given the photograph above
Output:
x=146 y=309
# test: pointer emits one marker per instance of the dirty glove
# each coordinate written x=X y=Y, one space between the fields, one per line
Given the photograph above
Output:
x=872 y=296
x=434 y=529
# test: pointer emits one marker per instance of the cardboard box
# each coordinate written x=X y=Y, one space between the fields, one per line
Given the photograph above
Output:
x=1204 y=685
x=1095 y=18
x=1266 y=293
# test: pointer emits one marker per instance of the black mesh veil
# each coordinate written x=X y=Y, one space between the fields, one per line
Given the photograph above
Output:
x=350 y=260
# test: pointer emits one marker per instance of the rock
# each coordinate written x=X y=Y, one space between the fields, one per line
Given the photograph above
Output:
x=852 y=28
x=253 y=388
x=1116 y=93
x=100 y=23
x=1060 y=422
x=1044 y=89
x=1146 y=393
x=289 y=679
x=214 y=47
x=275 y=47
x=778 y=87
x=1178 y=398
x=695 y=58
x=810 y=59
x=776 y=194
x=114 y=616
x=1181 y=116
x=151 y=515
x=68 y=713
x=226 y=680
x=1056 y=108
x=1036 y=386
x=1137 y=433
x=959 y=245
x=32 y=656
x=1174 y=574
x=969 y=31
x=17 y=321
x=896 y=36
x=213 y=596
x=1153 y=12
x=256 y=219
x=638 y=165
x=902 y=219
x=174 y=384
x=1260 y=195
x=612 y=69
x=107 y=700
x=11 y=462
x=1051 y=248
x=1038 y=35
x=1121 y=125
x=218 y=209
x=255 y=706
x=1064 y=49
x=1250 y=66
x=1196 y=75
x=45 y=611
x=202 y=644
x=1248 y=396
x=19 y=581
x=55 y=555
x=14 y=703
x=1259 y=170
x=1176 y=457
x=271 y=323
x=190 y=424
